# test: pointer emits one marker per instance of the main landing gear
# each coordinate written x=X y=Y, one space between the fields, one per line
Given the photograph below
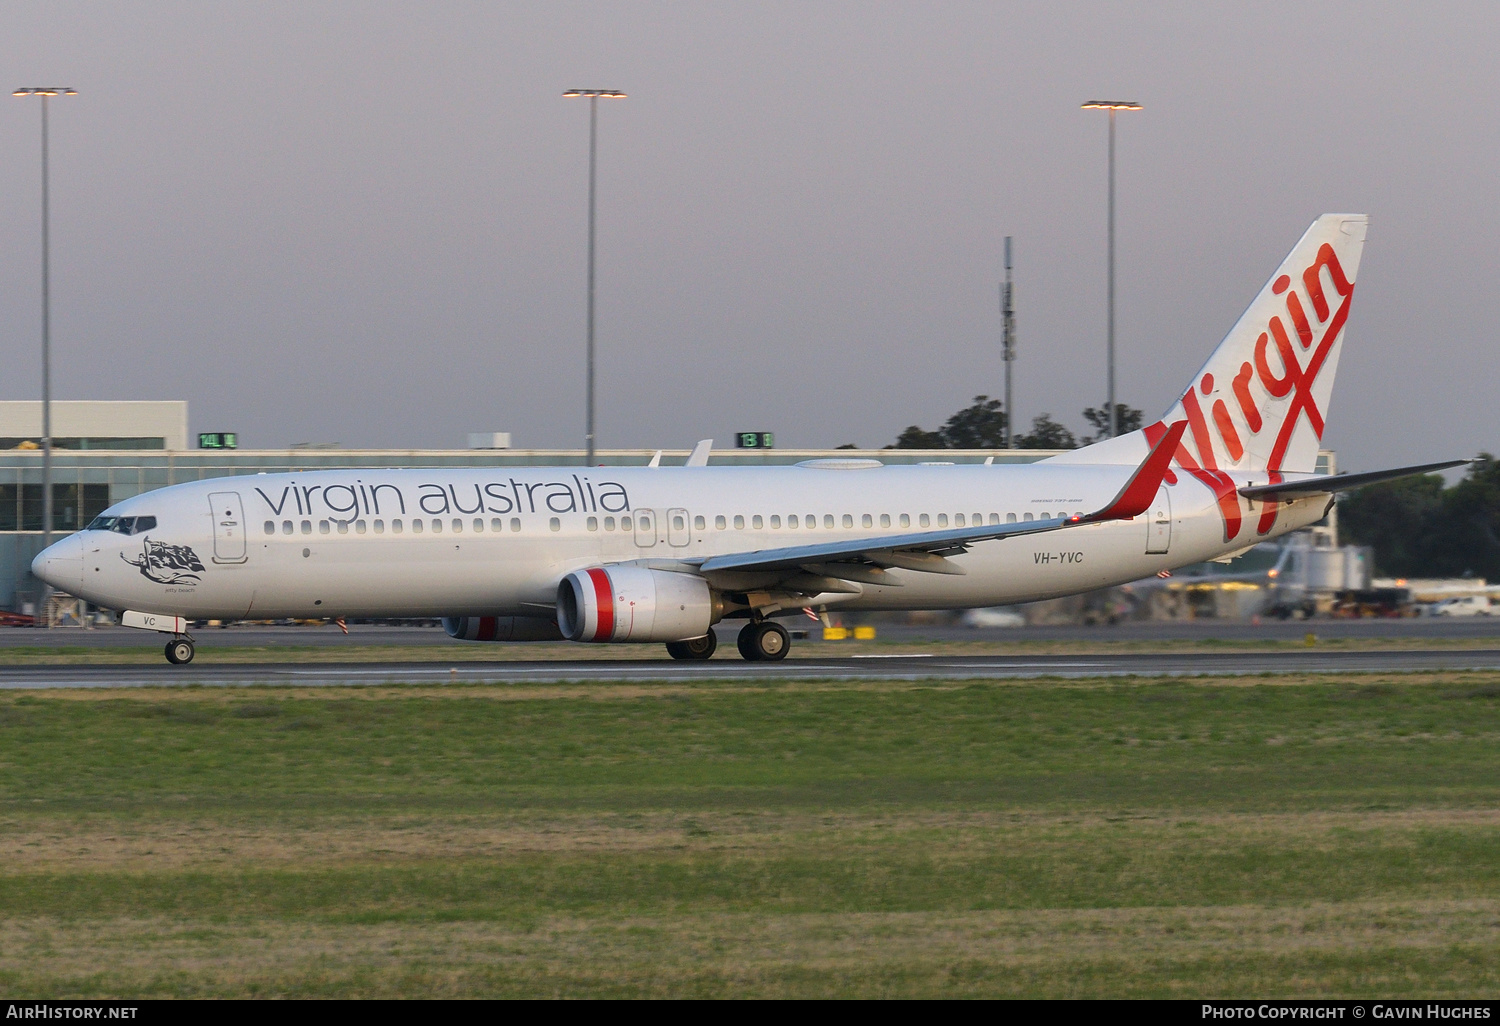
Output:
x=764 y=641
x=760 y=641
x=694 y=648
x=180 y=650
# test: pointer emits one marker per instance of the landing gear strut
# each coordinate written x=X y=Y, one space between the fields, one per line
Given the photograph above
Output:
x=764 y=641
x=180 y=651
x=694 y=648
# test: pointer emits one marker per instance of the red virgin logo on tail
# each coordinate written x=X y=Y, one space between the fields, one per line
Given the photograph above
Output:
x=1279 y=376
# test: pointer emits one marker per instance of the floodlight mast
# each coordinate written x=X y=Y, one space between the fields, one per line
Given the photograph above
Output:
x=593 y=95
x=1112 y=106
x=46 y=93
x=1008 y=346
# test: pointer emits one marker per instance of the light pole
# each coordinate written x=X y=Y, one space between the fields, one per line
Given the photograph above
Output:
x=593 y=95
x=1008 y=346
x=46 y=93
x=1112 y=106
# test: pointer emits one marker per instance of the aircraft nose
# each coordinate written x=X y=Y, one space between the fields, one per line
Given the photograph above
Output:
x=61 y=564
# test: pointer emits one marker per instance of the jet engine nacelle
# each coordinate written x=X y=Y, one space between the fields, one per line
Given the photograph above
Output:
x=501 y=628
x=632 y=603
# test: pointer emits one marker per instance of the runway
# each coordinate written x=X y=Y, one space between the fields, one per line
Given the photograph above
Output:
x=869 y=667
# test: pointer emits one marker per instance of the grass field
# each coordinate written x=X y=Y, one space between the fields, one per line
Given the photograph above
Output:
x=1253 y=836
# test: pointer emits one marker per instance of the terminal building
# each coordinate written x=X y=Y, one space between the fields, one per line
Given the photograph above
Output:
x=103 y=452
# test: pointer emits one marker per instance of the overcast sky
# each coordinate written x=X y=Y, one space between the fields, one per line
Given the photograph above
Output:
x=365 y=223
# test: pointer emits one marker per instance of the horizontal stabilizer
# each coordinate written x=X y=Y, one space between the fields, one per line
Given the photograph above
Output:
x=1327 y=484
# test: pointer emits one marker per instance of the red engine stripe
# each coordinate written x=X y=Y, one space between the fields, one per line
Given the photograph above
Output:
x=604 y=596
x=486 y=628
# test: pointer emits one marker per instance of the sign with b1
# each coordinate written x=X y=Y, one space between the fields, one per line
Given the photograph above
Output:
x=754 y=440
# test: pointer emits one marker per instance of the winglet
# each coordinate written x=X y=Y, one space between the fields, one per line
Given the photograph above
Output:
x=655 y=460
x=1135 y=498
x=699 y=455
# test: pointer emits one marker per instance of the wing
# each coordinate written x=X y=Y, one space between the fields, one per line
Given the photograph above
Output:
x=1326 y=484
x=927 y=551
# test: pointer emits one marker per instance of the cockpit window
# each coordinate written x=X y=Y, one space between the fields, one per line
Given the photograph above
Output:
x=122 y=525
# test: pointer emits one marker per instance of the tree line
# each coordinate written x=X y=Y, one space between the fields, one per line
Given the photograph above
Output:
x=1417 y=527
x=982 y=424
x=1420 y=528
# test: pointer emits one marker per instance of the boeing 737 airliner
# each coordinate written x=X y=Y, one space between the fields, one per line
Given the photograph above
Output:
x=661 y=554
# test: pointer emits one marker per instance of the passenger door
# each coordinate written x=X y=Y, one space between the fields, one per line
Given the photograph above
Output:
x=229 y=527
x=1159 y=523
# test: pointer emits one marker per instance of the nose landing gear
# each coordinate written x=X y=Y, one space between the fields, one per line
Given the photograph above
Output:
x=180 y=651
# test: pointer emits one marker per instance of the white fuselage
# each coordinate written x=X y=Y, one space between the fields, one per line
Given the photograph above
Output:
x=496 y=542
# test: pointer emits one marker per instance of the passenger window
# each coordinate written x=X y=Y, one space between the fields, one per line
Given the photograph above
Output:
x=478 y=524
x=437 y=526
x=906 y=520
x=515 y=525
x=496 y=524
x=1028 y=516
x=828 y=520
x=923 y=520
x=885 y=520
x=679 y=522
x=867 y=521
x=395 y=527
x=720 y=523
x=379 y=526
x=458 y=526
x=739 y=523
x=343 y=527
x=1045 y=516
x=592 y=523
x=1010 y=518
x=791 y=521
x=994 y=518
x=609 y=523
x=942 y=520
x=958 y=520
x=555 y=524
x=625 y=524
x=270 y=527
x=848 y=520
x=359 y=527
x=307 y=527
x=699 y=524
x=977 y=519
x=756 y=522
x=775 y=523
x=416 y=527
x=286 y=527
x=324 y=527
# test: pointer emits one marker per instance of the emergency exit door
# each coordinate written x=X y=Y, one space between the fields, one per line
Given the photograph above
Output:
x=677 y=528
x=229 y=527
x=645 y=528
x=1159 y=523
